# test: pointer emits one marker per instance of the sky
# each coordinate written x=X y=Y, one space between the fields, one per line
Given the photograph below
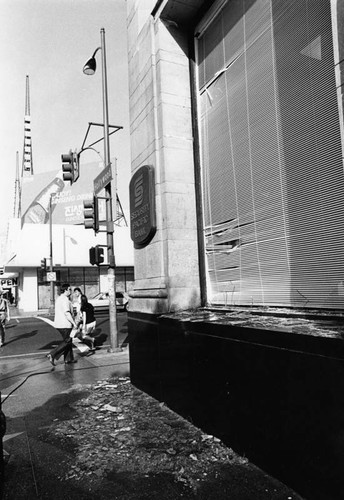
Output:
x=50 y=40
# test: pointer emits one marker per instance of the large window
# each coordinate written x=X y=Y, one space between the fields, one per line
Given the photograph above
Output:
x=272 y=169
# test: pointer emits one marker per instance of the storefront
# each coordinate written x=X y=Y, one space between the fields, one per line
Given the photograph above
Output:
x=91 y=280
x=9 y=284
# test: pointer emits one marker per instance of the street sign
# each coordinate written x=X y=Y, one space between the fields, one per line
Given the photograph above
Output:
x=51 y=276
x=102 y=179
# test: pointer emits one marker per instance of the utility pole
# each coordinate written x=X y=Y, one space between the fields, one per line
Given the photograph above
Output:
x=51 y=267
x=89 y=69
x=109 y=215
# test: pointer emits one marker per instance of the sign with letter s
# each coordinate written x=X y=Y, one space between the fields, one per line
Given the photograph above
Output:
x=142 y=206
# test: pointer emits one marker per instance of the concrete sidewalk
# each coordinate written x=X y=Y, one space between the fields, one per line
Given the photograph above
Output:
x=15 y=312
x=73 y=434
x=32 y=391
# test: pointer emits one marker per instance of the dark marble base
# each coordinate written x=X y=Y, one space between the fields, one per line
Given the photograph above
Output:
x=276 y=397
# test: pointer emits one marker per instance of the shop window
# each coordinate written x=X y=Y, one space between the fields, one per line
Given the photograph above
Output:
x=272 y=161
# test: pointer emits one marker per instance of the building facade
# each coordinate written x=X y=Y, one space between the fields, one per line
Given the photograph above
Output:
x=236 y=106
x=243 y=125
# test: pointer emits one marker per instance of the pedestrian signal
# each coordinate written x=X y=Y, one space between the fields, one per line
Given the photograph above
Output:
x=99 y=255
x=96 y=255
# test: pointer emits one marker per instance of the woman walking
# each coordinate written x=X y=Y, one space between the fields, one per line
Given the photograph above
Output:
x=88 y=321
x=4 y=316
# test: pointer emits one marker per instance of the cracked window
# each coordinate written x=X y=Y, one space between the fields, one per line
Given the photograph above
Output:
x=271 y=154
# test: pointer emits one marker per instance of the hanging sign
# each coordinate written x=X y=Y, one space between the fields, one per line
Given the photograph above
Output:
x=142 y=206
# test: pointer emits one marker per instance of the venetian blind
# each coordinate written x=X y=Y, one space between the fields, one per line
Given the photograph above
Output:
x=272 y=166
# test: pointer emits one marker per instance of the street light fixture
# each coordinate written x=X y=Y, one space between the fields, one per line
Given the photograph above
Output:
x=91 y=65
x=89 y=69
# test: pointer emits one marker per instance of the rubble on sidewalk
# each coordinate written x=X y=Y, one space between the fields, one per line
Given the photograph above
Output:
x=118 y=435
x=118 y=426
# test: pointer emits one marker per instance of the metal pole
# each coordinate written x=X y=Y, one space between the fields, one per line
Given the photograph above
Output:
x=109 y=217
x=64 y=246
x=52 y=291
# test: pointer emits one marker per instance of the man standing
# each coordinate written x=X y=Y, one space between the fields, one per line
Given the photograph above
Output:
x=64 y=322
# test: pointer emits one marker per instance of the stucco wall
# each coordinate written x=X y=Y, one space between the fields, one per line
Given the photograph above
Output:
x=166 y=271
x=28 y=298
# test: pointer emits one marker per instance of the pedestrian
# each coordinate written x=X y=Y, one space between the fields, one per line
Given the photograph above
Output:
x=76 y=305
x=10 y=297
x=4 y=316
x=64 y=322
x=88 y=322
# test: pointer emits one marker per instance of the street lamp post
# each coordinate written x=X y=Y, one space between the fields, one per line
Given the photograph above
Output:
x=72 y=240
x=51 y=267
x=89 y=69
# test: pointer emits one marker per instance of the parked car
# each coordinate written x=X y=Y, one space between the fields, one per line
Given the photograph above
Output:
x=101 y=301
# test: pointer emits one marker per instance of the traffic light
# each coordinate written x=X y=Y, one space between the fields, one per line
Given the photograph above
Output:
x=70 y=166
x=96 y=255
x=91 y=214
x=44 y=264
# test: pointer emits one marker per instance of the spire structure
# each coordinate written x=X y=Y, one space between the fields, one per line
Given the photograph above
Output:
x=27 y=168
x=17 y=191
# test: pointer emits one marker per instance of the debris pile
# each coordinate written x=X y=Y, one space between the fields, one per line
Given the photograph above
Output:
x=300 y=322
x=118 y=427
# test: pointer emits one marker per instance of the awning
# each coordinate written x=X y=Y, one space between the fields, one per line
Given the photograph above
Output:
x=8 y=276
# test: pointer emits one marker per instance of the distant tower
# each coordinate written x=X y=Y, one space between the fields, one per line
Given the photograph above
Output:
x=27 y=169
x=17 y=192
